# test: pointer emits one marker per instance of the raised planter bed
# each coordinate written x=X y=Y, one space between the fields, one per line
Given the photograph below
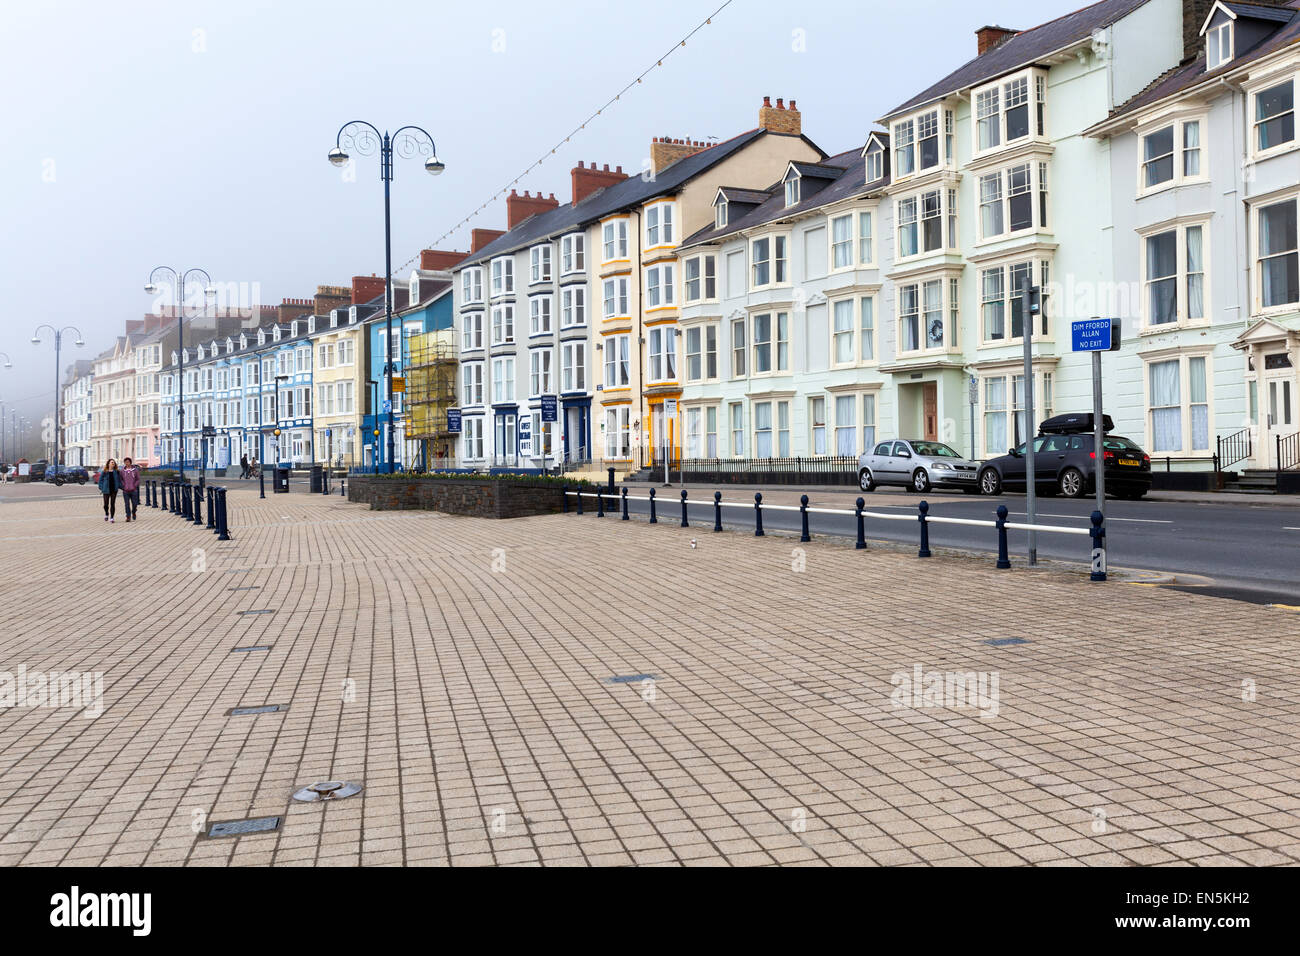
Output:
x=478 y=497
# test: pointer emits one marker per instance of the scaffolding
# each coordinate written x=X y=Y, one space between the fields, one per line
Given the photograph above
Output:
x=430 y=391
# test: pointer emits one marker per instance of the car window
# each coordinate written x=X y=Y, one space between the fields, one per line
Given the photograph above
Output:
x=882 y=450
x=934 y=449
x=1077 y=443
x=900 y=449
x=1115 y=443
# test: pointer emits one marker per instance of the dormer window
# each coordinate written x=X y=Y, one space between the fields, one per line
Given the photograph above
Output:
x=352 y=315
x=720 y=213
x=293 y=329
x=1218 y=45
x=311 y=324
x=243 y=342
x=792 y=188
x=413 y=289
x=261 y=337
x=875 y=164
x=276 y=334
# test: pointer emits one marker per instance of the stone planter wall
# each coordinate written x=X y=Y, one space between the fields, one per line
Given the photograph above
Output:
x=476 y=497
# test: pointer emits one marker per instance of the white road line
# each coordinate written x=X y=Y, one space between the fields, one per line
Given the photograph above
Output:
x=1044 y=514
x=1290 y=529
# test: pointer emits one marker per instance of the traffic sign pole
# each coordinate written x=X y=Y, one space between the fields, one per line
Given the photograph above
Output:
x=1099 y=449
x=1027 y=295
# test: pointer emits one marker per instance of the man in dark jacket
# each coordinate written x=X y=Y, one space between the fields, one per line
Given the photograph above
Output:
x=243 y=466
x=130 y=478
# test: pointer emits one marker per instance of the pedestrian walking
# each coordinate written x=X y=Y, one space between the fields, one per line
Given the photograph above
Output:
x=243 y=466
x=110 y=482
x=130 y=489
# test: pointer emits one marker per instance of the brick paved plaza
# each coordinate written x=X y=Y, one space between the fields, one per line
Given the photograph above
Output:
x=460 y=670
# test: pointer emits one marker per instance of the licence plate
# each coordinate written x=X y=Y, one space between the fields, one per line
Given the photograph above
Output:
x=1130 y=461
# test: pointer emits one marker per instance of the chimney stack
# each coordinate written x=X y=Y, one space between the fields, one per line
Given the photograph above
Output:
x=437 y=260
x=330 y=297
x=587 y=179
x=519 y=208
x=990 y=38
x=664 y=151
x=779 y=118
x=290 y=309
x=478 y=238
x=365 y=288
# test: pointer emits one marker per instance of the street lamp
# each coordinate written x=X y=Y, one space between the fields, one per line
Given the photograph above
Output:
x=407 y=141
x=179 y=283
x=58 y=346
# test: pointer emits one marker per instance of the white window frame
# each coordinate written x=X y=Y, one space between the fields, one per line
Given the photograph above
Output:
x=1185 y=403
x=619 y=296
x=1179 y=156
x=471 y=285
x=1181 y=275
x=503 y=275
x=573 y=366
x=617 y=359
x=777 y=261
x=661 y=354
x=1255 y=92
x=573 y=306
x=1037 y=199
x=946 y=219
x=660 y=219
x=613 y=234
x=541 y=315
x=1039 y=271
x=1035 y=85
x=541 y=372
x=503 y=323
x=471 y=332
x=661 y=287
x=539 y=263
x=1256 y=261
x=471 y=380
x=573 y=253
x=1218 y=40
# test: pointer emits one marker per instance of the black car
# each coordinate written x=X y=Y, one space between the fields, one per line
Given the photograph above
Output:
x=1065 y=464
x=36 y=470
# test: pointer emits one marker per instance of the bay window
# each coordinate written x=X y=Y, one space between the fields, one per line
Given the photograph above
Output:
x=700 y=278
x=503 y=380
x=539 y=258
x=574 y=366
x=1178 y=406
x=503 y=324
x=503 y=275
x=616 y=361
x=663 y=354
x=1174 y=275
x=1001 y=306
x=615 y=297
x=614 y=236
x=472 y=383
x=618 y=438
x=660 y=287
x=1274 y=119
x=573 y=253
x=659 y=225
x=539 y=315
x=539 y=372
x=1276 y=263
x=471 y=332
x=573 y=306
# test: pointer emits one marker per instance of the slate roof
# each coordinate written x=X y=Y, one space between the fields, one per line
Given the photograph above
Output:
x=1024 y=49
x=850 y=169
x=630 y=192
x=1187 y=76
x=752 y=197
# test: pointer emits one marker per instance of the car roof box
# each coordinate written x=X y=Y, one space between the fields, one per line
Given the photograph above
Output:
x=1074 y=423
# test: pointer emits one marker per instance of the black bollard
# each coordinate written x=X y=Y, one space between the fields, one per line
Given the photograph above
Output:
x=625 y=518
x=261 y=482
x=212 y=522
x=653 y=518
x=600 y=502
x=1003 y=560
x=758 y=514
x=924 y=509
x=862 y=529
x=579 y=499
x=198 y=505
x=187 y=503
x=1098 y=548
x=803 y=513
x=221 y=516
x=564 y=499
x=685 y=523
x=717 y=511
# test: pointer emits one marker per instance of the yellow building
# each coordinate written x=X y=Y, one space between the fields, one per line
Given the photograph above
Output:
x=338 y=375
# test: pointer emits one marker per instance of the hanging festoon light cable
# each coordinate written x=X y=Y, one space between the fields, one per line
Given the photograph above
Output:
x=573 y=132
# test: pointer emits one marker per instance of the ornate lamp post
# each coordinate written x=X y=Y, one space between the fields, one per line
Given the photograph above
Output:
x=58 y=346
x=407 y=141
x=179 y=282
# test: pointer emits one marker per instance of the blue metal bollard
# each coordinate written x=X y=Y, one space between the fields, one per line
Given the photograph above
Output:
x=924 y=508
x=222 y=521
x=653 y=518
x=717 y=511
x=600 y=503
x=758 y=514
x=685 y=523
x=564 y=499
x=862 y=529
x=1003 y=561
x=803 y=513
x=625 y=518
x=1098 y=548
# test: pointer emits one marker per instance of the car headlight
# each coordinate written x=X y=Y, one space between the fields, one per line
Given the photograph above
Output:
x=941 y=466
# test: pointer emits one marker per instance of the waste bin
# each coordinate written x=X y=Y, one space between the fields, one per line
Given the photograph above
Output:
x=317 y=478
x=281 y=480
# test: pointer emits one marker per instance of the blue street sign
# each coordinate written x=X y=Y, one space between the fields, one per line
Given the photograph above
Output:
x=388 y=406
x=550 y=408
x=1095 y=335
x=453 y=420
x=328 y=432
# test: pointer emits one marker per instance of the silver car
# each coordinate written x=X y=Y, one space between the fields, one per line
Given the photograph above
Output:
x=919 y=465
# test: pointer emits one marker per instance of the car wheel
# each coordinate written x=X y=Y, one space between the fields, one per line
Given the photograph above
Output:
x=1071 y=483
x=920 y=481
x=990 y=482
x=865 y=481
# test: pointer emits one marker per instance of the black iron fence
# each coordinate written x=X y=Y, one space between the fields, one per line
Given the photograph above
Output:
x=1230 y=449
x=1288 y=452
x=822 y=470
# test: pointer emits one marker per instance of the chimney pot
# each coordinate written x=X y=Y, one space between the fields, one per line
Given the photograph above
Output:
x=792 y=104
x=780 y=103
x=580 y=166
x=767 y=101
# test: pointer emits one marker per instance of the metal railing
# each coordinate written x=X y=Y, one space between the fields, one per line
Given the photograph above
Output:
x=824 y=469
x=1230 y=449
x=1288 y=452
x=1097 y=557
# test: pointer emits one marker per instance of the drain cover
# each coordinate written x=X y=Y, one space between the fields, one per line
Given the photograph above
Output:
x=247 y=711
x=1004 y=641
x=328 y=790
x=265 y=610
x=629 y=678
x=251 y=647
x=242 y=827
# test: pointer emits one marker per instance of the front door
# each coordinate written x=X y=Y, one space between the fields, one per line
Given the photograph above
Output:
x=658 y=434
x=1280 y=415
x=930 y=410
